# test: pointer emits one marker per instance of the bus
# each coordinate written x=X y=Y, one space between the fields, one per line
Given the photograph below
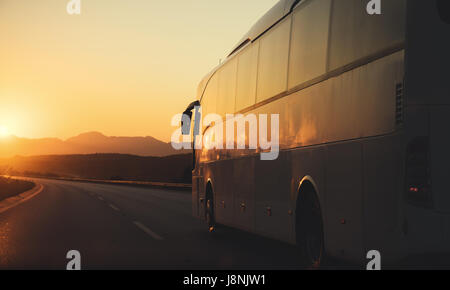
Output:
x=363 y=101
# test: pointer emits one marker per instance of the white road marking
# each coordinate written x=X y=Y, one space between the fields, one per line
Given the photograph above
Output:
x=101 y=198
x=148 y=231
x=114 y=207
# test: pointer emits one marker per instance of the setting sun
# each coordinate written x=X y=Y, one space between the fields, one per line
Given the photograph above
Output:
x=4 y=132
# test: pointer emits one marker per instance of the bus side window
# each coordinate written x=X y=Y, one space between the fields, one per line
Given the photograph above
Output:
x=246 y=77
x=273 y=61
x=227 y=88
x=209 y=101
x=355 y=34
x=309 y=41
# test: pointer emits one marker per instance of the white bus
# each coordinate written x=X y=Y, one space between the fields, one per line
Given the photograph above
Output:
x=364 y=123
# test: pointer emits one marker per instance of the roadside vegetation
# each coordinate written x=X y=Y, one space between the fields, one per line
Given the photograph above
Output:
x=172 y=169
x=10 y=187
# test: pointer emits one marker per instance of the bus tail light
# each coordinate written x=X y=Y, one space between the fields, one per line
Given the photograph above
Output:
x=418 y=173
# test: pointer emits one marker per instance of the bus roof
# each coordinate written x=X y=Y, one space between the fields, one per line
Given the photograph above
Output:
x=275 y=14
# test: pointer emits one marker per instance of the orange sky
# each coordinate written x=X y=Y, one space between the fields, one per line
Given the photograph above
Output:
x=122 y=67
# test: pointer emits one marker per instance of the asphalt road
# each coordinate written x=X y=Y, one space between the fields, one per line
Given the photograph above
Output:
x=124 y=227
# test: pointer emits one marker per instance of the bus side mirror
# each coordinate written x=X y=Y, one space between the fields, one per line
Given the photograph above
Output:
x=187 y=117
x=186 y=123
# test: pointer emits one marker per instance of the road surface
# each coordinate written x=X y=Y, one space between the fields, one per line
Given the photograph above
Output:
x=124 y=227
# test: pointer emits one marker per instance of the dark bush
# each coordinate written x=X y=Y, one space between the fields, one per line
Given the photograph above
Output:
x=10 y=187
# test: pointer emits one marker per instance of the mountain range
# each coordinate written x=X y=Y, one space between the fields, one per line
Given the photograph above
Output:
x=86 y=143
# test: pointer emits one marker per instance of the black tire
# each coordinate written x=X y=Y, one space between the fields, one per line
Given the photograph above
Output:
x=209 y=210
x=309 y=229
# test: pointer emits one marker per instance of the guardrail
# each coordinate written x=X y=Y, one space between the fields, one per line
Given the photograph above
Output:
x=130 y=182
x=125 y=182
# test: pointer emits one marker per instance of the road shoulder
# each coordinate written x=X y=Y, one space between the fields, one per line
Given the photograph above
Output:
x=20 y=198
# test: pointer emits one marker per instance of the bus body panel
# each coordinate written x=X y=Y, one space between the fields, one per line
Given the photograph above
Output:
x=383 y=186
x=272 y=180
x=344 y=199
x=223 y=190
x=357 y=104
x=244 y=193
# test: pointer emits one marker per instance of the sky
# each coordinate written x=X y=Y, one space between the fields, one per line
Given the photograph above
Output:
x=121 y=67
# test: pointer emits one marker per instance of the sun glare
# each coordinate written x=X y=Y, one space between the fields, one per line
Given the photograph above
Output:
x=4 y=132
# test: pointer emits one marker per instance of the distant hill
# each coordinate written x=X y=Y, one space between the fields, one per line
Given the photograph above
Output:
x=176 y=168
x=87 y=143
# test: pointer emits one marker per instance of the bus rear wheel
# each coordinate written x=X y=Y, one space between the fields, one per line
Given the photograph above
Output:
x=309 y=229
